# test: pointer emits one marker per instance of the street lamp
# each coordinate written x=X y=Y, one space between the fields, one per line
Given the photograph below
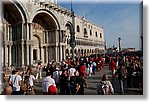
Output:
x=73 y=41
x=119 y=44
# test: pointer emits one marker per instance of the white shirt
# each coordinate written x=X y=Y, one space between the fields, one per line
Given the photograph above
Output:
x=72 y=71
x=94 y=64
x=46 y=82
x=15 y=81
x=108 y=83
x=31 y=79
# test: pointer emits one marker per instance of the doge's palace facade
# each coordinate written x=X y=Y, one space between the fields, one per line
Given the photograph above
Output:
x=40 y=30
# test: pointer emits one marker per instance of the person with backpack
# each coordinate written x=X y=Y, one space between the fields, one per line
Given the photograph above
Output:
x=105 y=87
x=30 y=83
x=73 y=84
x=15 y=81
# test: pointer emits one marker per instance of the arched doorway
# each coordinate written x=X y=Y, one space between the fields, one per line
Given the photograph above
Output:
x=45 y=32
x=13 y=34
x=36 y=48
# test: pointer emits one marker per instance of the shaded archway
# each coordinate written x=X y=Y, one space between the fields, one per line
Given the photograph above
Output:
x=13 y=25
x=46 y=27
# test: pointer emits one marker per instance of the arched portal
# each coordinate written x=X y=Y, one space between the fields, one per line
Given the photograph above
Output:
x=36 y=47
x=46 y=28
x=13 y=24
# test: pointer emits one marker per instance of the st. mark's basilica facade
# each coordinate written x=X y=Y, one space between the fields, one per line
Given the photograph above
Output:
x=35 y=30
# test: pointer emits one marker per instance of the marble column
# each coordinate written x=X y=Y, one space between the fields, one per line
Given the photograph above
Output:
x=43 y=37
x=27 y=26
x=51 y=53
x=22 y=54
x=22 y=45
x=30 y=31
x=31 y=54
x=60 y=52
x=18 y=55
x=49 y=57
x=10 y=55
x=40 y=57
x=27 y=54
x=63 y=54
x=8 y=32
x=47 y=32
x=6 y=56
x=55 y=53
x=42 y=53
x=30 y=38
x=46 y=54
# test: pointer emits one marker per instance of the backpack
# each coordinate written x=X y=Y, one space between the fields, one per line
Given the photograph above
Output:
x=104 y=89
x=73 y=81
x=26 y=79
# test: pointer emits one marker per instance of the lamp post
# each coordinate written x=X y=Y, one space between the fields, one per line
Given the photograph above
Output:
x=119 y=44
x=72 y=42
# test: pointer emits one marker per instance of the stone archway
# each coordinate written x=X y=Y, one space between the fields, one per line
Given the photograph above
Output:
x=13 y=29
x=46 y=28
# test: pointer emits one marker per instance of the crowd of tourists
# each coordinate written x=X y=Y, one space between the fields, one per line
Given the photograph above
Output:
x=128 y=69
x=68 y=77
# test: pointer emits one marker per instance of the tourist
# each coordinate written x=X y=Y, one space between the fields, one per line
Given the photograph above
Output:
x=15 y=81
x=105 y=87
x=46 y=82
x=30 y=86
x=81 y=82
x=71 y=71
x=64 y=83
x=113 y=68
x=7 y=90
x=94 y=67
x=122 y=76
x=39 y=70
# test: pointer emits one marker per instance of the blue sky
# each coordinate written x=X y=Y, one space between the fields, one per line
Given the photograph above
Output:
x=119 y=19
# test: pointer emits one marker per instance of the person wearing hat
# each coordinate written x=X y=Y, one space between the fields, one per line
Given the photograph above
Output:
x=46 y=82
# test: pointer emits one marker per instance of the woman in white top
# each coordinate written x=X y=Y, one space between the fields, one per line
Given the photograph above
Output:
x=32 y=79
